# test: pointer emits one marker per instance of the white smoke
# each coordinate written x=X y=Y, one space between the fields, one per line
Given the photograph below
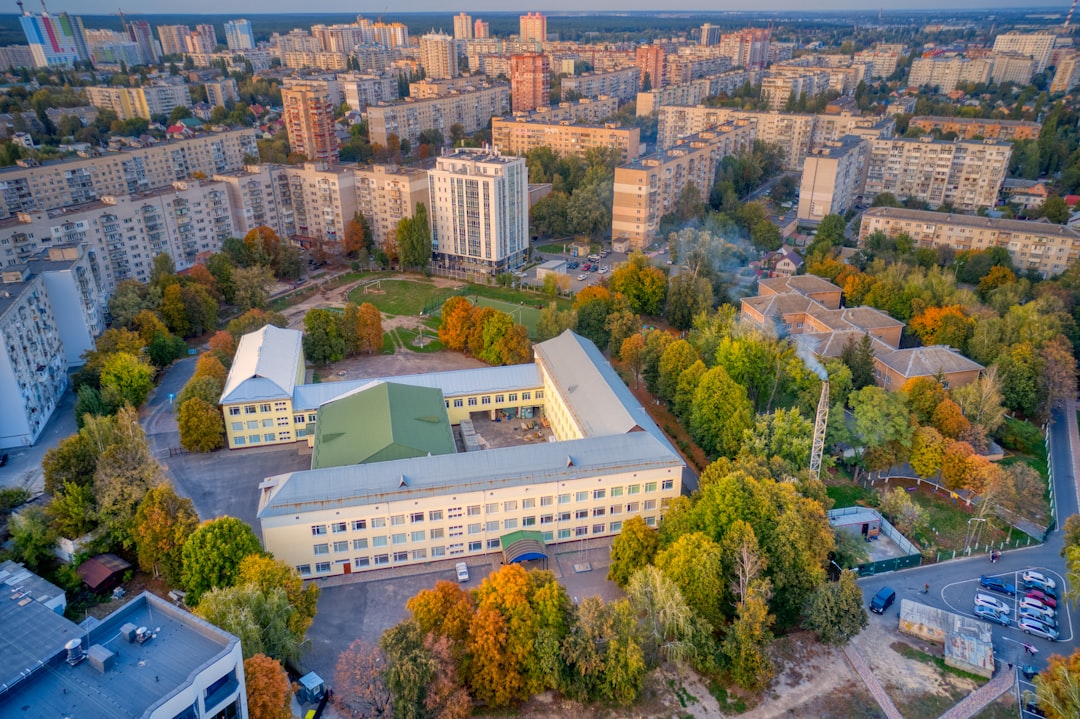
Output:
x=809 y=358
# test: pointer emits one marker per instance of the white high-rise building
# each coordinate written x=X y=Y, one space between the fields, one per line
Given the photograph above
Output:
x=1037 y=46
x=463 y=26
x=239 y=35
x=438 y=55
x=479 y=211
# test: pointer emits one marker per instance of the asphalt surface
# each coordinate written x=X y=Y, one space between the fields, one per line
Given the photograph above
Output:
x=23 y=468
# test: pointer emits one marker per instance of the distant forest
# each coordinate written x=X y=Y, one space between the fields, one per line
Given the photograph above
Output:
x=568 y=27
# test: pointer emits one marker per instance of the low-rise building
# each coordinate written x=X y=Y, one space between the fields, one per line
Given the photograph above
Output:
x=1043 y=247
x=970 y=128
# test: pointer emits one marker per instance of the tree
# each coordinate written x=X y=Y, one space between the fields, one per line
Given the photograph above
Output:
x=689 y=294
x=202 y=428
x=633 y=549
x=677 y=357
x=33 y=539
x=957 y=470
x=174 y=311
x=89 y=401
x=444 y=611
x=207 y=388
x=642 y=283
x=766 y=236
x=72 y=512
x=784 y=434
x=1058 y=686
x=164 y=349
x=1020 y=369
x=323 y=342
x=251 y=287
x=949 y=419
x=689 y=379
x=553 y=322
x=74 y=459
x=882 y=423
x=361 y=692
x=212 y=555
x=927 y=451
x=223 y=346
x=254 y=320
x=126 y=379
x=414 y=239
x=908 y=517
x=349 y=327
x=859 y=357
x=835 y=610
x=624 y=662
x=259 y=617
x=694 y=562
x=981 y=400
x=148 y=325
x=666 y=620
x=924 y=395
x=455 y=323
x=208 y=365
x=409 y=669
x=126 y=471
x=747 y=637
x=267 y=573
x=1058 y=378
x=719 y=414
x=163 y=522
x=356 y=237
x=269 y=692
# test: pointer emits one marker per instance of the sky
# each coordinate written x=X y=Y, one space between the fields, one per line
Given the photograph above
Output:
x=239 y=7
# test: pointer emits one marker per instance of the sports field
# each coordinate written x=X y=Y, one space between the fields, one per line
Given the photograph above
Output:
x=524 y=314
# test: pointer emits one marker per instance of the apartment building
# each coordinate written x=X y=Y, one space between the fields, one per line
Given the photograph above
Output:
x=1045 y=248
x=330 y=61
x=883 y=59
x=690 y=93
x=946 y=73
x=691 y=64
x=438 y=55
x=650 y=62
x=479 y=211
x=309 y=119
x=144 y=102
x=173 y=39
x=530 y=81
x=15 y=56
x=55 y=40
x=608 y=462
x=75 y=286
x=222 y=92
x=832 y=178
x=201 y=40
x=481 y=30
x=973 y=128
x=239 y=35
x=463 y=26
x=966 y=175
x=747 y=48
x=647 y=188
x=622 y=84
x=260 y=195
x=1013 y=67
x=587 y=110
x=29 y=187
x=359 y=90
x=126 y=231
x=387 y=194
x=469 y=108
x=323 y=199
x=532 y=27
x=517 y=135
x=1067 y=74
x=778 y=89
x=1037 y=46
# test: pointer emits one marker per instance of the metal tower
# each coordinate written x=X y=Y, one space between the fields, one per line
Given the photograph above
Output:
x=1068 y=18
x=817 y=448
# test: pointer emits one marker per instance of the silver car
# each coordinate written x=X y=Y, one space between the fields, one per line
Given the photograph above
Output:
x=1037 y=629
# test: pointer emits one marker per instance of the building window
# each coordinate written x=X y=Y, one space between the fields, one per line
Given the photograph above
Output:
x=238 y=441
x=417 y=536
x=650 y=505
x=599 y=512
x=633 y=489
x=283 y=436
x=546 y=519
x=510 y=506
x=616 y=509
x=264 y=407
x=650 y=521
x=615 y=526
x=581 y=497
x=599 y=493
x=378 y=522
x=546 y=501
x=318 y=529
x=379 y=541
x=486 y=399
x=539 y=394
x=437 y=534
x=528 y=503
x=382 y=559
x=234 y=412
x=397 y=520
x=633 y=507
x=492 y=526
x=564 y=499
x=509 y=524
x=438 y=551
x=418 y=554
x=528 y=522
x=280 y=407
x=564 y=516
x=667 y=484
x=269 y=437
x=312 y=417
x=304 y=570
x=435 y=515
x=362 y=562
x=599 y=528
x=526 y=395
x=616 y=491
x=341 y=547
x=322 y=567
x=564 y=534
x=492 y=508
x=581 y=531
x=475 y=528
x=499 y=399
x=650 y=486
x=268 y=423
x=472 y=401
x=359 y=524
x=458 y=403
x=454 y=513
x=457 y=530
x=253 y=424
x=401 y=557
x=359 y=544
x=298 y=419
x=474 y=510
x=249 y=409
x=398 y=538
x=416 y=517
x=513 y=396
x=338 y=527
x=473 y=547
x=238 y=426
x=493 y=544
x=321 y=549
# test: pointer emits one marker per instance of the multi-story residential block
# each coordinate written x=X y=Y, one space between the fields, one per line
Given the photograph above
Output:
x=74 y=282
x=647 y=188
x=517 y=135
x=977 y=128
x=309 y=119
x=469 y=108
x=747 y=48
x=832 y=178
x=622 y=84
x=221 y=92
x=126 y=231
x=438 y=55
x=317 y=60
x=144 y=102
x=173 y=39
x=608 y=461
x=343 y=38
x=463 y=26
x=778 y=89
x=690 y=93
x=481 y=30
x=530 y=81
x=1037 y=46
x=965 y=175
x=479 y=211
x=532 y=27
x=13 y=57
x=710 y=35
x=108 y=47
x=371 y=58
x=76 y=181
x=650 y=63
x=61 y=668
x=140 y=33
x=55 y=40
x=358 y=91
x=427 y=88
x=391 y=35
x=883 y=59
x=1013 y=67
x=690 y=63
x=239 y=35
x=387 y=194
x=1039 y=246
x=260 y=195
x=323 y=199
x=587 y=110
x=946 y=73
x=1066 y=76
x=203 y=39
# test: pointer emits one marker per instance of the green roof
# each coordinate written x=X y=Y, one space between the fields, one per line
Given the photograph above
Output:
x=382 y=421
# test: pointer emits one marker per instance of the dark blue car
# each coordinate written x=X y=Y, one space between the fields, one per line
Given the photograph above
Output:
x=997 y=584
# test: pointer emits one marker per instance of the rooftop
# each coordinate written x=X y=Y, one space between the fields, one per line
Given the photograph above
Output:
x=803 y=284
x=701 y=140
x=927 y=361
x=265 y=366
x=974 y=221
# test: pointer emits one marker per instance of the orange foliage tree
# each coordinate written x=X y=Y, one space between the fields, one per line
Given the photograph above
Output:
x=369 y=329
x=360 y=691
x=943 y=326
x=455 y=324
x=956 y=465
x=208 y=365
x=924 y=395
x=223 y=346
x=949 y=419
x=444 y=611
x=268 y=689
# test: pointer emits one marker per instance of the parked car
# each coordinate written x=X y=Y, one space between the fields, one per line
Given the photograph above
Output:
x=582 y=278
x=572 y=265
x=1030 y=671
x=881 y=601
x=1042 y=597
x=1036 y=605
x=1037 y=629
x=462 y=570
x=997 y=584
x=1032 y=575
x=1049 y=620
x=990 y=615
x=1042 y=587
x=587 y=266
x=594 y=268
x=986 y=600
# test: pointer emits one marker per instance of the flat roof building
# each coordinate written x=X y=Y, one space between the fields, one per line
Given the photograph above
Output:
x=471 y=108
x=387 y=194
x=517 y=135
x=832 y=178
x=969 y=128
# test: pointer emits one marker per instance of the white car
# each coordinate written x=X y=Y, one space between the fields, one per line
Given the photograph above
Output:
x=462 y=572
x=582 y=278
x=603 y=270
x=1032 y=576
x=1036 y=607
x=985 y=600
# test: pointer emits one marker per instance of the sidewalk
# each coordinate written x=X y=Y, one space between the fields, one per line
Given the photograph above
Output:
x=858 y=663
x=979 y=699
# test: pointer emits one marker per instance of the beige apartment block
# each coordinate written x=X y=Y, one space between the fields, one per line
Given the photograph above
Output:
x=588 y=110
x=970 y=128
x=647 y=188
x=259 y=196
x=650 y=61
x=691 y=93
x=1013 y=67
x=438 y=55
x=144 y=102
x=964 y=174
x=832 y=178
x=622 y=84
x=1037 y=46
x=323 y=201
x=72 y=182
x=387 y=194
x=518 y=135
x=946 y=73
x=1045 y=248
x=777 y=89
x=360 y=90
x=469 y=108
x=1067 y=74
x=309 y=119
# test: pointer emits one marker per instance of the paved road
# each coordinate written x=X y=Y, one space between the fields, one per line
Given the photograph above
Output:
x=158 y=415
x=23 y=468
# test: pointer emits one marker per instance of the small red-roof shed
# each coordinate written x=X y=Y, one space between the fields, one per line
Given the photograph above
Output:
x=103 y=572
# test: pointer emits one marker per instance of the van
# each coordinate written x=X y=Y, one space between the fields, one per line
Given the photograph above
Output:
x=462 y=572
x=882 y=600
x=593 y=258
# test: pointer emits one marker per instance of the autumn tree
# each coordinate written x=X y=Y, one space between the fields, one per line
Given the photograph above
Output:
x=72 y=511
x=981 y=400
x=269 y=693
x=667 y=622
x=251 y=287
x=361 y=691
x=632 y=549
x=206 y=388
x=369 y=335
x=163 y=522
x=323 y=342
x=630 y=352
x=643 y=284
x=747 y=638
x=446 y=697
x=126 y=379
x=678 y=356
x=924 y=394
x=455 y=323
x=445 y=611
x=125 y=472
x=73 y=459
x=1058 y=686
x=908 y=517
x=553 y=322
x=208 y=365
x=174 y=311
x=356 y=238
x=943 y=326
x=695 y=564
x=213 y=553
x=202 y=428
x=949 y=419
x=267 y=573
x=254 y=320
x=927 y=451
x=956 y=466
x=1058 y=378
x=835 y=610
x=223 y=346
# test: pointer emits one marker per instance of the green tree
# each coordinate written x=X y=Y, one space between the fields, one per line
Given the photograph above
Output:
x=927 y=451
x=1020 y=369
x=720 y=413
x=882 y=421
x=633 y=549
x=553 y=322
x=785 y=434
x=414 y=239
x=643 y=284
x=254 y=320
x=323 y=342
x=747 y=638
x=667 y=622
x=686 y=388
x=163 y=522
x=859 y=358
x=905 y=515
x=268 y=573
x=72 y=512
x=835 y=610
x=694 y=562
x=259 y=617
x=126 y=379
x=349 y=327
x=624 y=663
x=126 y=471
x=409 y=669
x=89 y=401
x=251 y=287
x=213 y=553
x=677 y=357
x=74 y=459
x=207 y=388
x=689 y=295
x=33 y=539
x=202 y=428
x=174 y=311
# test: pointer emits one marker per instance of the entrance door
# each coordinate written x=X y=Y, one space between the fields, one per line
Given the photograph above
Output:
x=348 y=567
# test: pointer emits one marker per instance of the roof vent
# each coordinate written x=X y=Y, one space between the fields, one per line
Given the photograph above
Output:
x=101 y=658
x=74 y=651
x=402 y=482
x=143 y=635
x=128 y=631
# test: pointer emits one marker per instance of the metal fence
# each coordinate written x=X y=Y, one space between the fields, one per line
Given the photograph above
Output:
x=888 y=565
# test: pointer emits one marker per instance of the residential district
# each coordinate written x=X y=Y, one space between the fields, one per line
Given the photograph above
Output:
x=584 y=364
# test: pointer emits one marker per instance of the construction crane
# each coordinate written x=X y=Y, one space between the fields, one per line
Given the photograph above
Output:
x=1068 y=18
x=817 y=448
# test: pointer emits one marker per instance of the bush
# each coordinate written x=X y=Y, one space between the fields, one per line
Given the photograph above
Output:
x=12 y=497
x=1020 y=436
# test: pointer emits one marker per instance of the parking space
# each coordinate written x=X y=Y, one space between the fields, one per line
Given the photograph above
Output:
x=1025 y=692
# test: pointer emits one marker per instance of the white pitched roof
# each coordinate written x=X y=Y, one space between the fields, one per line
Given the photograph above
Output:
x=265 y=366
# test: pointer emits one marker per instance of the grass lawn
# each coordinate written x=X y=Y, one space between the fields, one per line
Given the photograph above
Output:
x=525 y=314
x=387 y=343
x=406 y=338
x=848 y=495
x=401 y=297
x=553 y=249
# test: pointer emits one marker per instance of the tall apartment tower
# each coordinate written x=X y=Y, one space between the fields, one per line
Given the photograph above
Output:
x=479 y=211
x=309 y=120
x=530 y=81
x=463 y=26
x=173 y=39
x=533 y=27
x=481 y=30
x=438 y=55
x=710 y=35
x=1037 y=46
x=650 y=61
x=142 y=35
x=208 y=37
x=55 y=41
x=239 y=35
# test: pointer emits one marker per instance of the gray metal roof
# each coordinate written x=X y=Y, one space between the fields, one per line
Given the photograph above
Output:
x=265 y=366
x=927 y=361
x=455 y=383
x=999 y=224
x=353 y=485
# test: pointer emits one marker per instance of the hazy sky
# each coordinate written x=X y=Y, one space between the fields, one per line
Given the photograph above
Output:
x=238 y=7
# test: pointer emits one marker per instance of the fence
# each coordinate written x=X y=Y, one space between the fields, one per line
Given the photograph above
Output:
x=911 y=558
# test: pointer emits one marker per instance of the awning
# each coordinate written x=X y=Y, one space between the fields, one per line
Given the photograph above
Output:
x=522 y=546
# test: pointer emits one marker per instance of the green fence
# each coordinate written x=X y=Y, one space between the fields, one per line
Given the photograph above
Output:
x=888 y=565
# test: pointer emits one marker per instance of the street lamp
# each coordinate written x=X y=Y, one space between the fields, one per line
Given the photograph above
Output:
x=971 y=533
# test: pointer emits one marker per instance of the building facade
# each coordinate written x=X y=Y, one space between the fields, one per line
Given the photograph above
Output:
x=971 y=128
x=1039 y=246
x=309 y=119
x=173 y=39
x=1067 y=74
x=532 y=27
x=359 y=90
x=463 y=26
x=239 y=35
x=622 y=84
x=323 y=200
x=438 y=55
x=55 y=41
x=472 y=109
x=15 y=56
x=650 y=63
x=530 y=81
x=1037 y=46
x=946 y=73
x=386 y=194
x=832 y=178
x=144 y=102
x=518 y=135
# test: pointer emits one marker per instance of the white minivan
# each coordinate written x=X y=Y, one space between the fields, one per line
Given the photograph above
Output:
x=462 y=572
